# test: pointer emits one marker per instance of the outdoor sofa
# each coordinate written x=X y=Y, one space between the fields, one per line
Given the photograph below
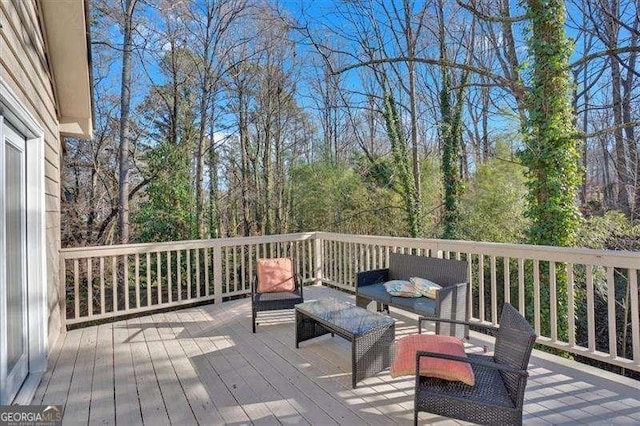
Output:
x=451 y=302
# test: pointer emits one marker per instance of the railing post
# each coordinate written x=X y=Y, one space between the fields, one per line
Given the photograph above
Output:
x=217 y=273
x=317 y=258
x=62 y=295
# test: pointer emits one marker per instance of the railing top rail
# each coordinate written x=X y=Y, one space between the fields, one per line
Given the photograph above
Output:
x=117 y=250
x=621 y=258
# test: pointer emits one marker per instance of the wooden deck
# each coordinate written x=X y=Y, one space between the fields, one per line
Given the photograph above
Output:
x=204 y=366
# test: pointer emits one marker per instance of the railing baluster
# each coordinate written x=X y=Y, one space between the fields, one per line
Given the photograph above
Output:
x=89 y=288
x=591 y=327
x=481 y=286
x=344 y=264
x=506 y=275
x=226 y=268
x=521 y=290
x=169 y=277
x=571 y=313
x=367 y=257
x=114 y=283
x=243 y=270
x=611 y=312
x=179 y=273
x=198 y=294
x=206 y=271
x=318 y=257
x=76 y=288
x=470 y=274
x=189 y=294
x=553 y=302
x=137 y=269
x=125 y=278
x=159 y=276
x=303 y=269
x=494 y=292
x=635 y=320
x=235 y=269
x=334 y=266
x=217 y=274
x=102 y=295
x=149 y=279
x=536 y=296
x=251 y=270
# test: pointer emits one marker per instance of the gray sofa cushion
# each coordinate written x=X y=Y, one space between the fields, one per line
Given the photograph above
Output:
x=420 y=305
x=376 y=292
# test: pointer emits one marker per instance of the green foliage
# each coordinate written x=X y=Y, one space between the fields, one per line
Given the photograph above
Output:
x=432 y=190
x=492 y=207
x=335 y=198
x=552 y=145
x=451 y=146
x=167 y=215
x=612 y=231
x=402 y=165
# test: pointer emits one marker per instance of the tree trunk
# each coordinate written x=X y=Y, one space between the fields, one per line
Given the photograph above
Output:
x=125 y=103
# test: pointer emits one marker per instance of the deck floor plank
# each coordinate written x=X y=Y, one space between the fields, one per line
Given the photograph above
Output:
x=76 y=411
x=223 y=360
x=201 y=349
x=314 y=353
x=267 y=363
x=175 y=401
x=263 y=391
x=203 y=365
x=201 y=405
x=154 y=412
x=52 y=362
x=58 y=387
x=102 y=392
x=311 y=378
x=127 y=404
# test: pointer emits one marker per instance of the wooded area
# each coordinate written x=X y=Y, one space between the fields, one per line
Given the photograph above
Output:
x=471 y=119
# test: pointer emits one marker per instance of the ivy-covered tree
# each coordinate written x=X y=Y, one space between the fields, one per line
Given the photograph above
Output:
x=552 y=151
x=400 y=154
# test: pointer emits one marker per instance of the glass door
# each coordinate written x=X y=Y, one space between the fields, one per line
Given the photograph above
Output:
x=13 y=283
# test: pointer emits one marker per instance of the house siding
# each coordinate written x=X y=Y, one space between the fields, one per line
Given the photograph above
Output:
x=23 y=67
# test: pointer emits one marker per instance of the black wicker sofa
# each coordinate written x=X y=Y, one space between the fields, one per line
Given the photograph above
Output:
x=451 y=301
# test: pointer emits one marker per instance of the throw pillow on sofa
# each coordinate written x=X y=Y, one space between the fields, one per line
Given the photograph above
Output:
x=425 y=287
x=401 y=288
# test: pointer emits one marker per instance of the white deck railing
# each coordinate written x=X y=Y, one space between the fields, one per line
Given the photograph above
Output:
x=128 y=279
x=552 y=286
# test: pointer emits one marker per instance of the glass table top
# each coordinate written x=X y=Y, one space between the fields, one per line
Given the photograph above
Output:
x=344 y=315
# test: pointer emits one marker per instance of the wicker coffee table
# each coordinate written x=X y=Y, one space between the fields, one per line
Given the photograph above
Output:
x=371 y=334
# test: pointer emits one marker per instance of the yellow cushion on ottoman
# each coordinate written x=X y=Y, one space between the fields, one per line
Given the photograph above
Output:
x=405 y=360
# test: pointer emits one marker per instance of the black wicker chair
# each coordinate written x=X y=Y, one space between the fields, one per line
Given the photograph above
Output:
x=500 y=380
x=274 y=301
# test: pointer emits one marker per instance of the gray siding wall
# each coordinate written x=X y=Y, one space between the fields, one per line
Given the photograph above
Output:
x=23 y=66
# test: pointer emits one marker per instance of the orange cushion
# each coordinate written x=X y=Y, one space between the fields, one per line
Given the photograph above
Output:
x=275 y=275
x=405 y=360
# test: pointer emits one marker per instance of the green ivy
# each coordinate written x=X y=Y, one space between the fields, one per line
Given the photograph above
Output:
x=403 y=166
x=451 y=130
x=552 y=146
